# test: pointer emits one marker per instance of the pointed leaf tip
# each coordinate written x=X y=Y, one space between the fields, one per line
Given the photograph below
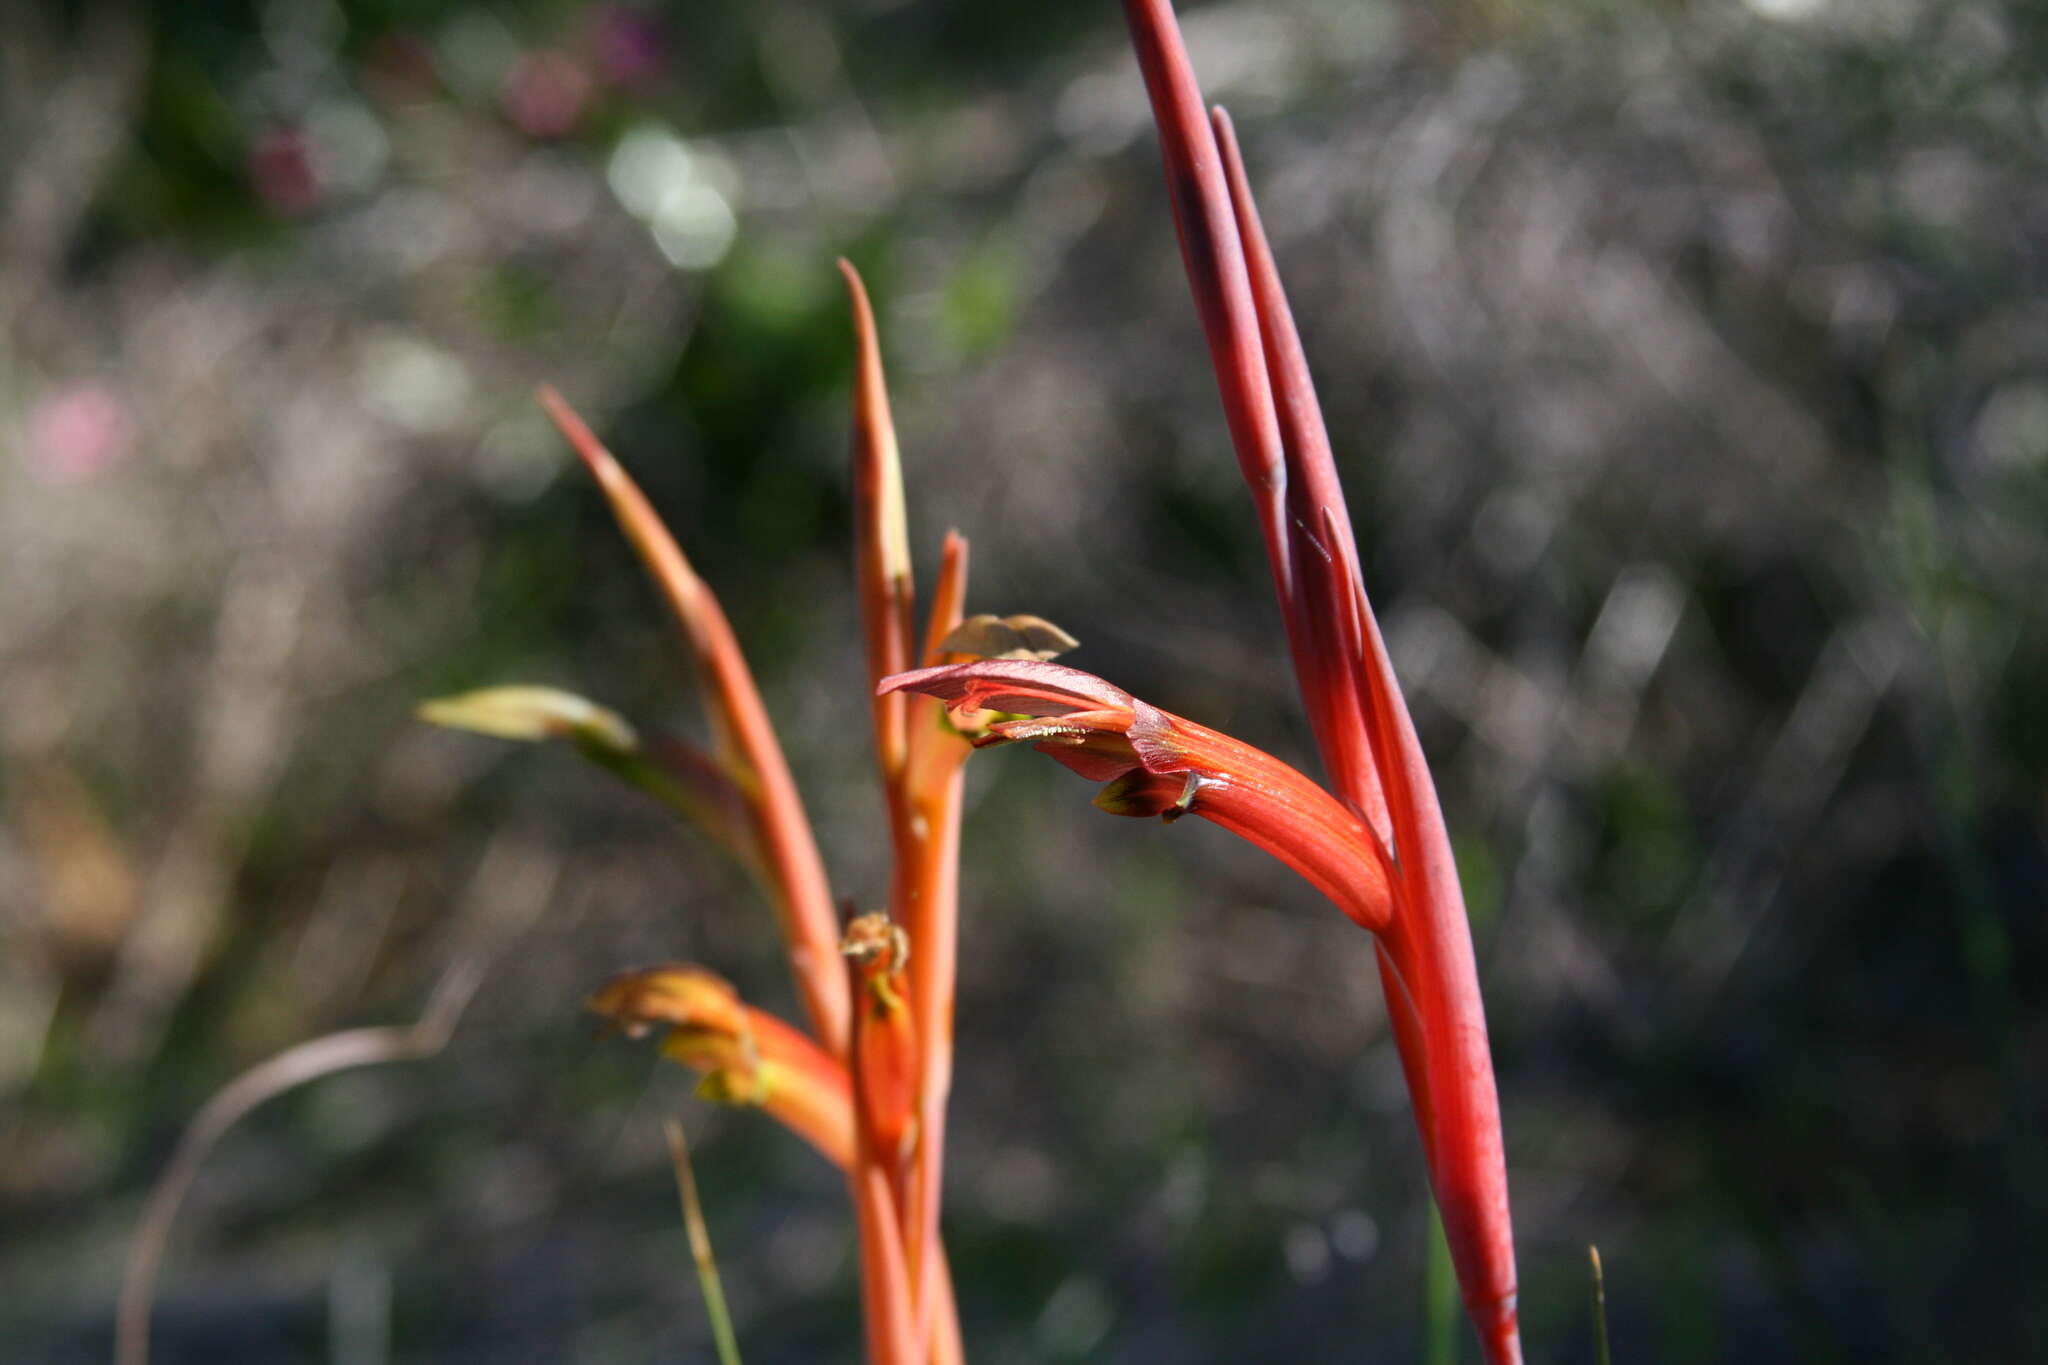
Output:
x=531 y=713
x=574 y=429
x=1008 y=637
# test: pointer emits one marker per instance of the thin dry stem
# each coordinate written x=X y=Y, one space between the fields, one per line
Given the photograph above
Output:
x=289 y=1069
x=700 y=1247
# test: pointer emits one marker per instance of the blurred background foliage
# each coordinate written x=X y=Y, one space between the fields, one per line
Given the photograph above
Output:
x=1688 y=363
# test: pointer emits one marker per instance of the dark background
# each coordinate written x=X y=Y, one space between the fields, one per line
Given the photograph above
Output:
x=1688 y=368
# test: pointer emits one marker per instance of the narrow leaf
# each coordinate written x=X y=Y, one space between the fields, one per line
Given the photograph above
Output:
x=1439 y=1298
x=700 y=1248
x=689 y=782
x=532 y=713
x=1601 y=1355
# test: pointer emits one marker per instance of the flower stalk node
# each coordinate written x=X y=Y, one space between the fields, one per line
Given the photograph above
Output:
x=879 y=949
x=884 y=1038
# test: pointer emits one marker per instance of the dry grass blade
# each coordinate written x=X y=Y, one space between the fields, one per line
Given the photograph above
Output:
x=288 y=1070
x=1600 y=1354
x=700 y=1248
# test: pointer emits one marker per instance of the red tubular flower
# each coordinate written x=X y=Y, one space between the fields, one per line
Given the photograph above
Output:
x=1157 y=763
x=1354 y=703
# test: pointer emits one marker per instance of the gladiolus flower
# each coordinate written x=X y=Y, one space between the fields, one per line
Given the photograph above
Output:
x=1157 y=763
x=1354 y=703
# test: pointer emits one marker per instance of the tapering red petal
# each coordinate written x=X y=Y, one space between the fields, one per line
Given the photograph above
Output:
x=1023 y=687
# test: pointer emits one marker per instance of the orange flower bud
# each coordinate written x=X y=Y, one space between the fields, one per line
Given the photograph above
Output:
x=746 y=1056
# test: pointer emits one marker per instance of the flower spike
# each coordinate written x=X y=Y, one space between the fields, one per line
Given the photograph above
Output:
x=903 y=1039
x=1353 y=701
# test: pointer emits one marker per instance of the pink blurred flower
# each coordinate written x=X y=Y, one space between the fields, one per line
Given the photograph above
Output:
x=544 y=94
x=627 y=45
x=281 y=168
x=78 y=433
